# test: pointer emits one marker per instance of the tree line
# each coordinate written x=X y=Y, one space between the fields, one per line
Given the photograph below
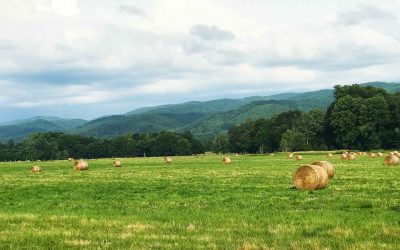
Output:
x=57 y=145
x=360 y=118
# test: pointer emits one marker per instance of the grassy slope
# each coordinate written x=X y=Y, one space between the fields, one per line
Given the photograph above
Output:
x=198 y=202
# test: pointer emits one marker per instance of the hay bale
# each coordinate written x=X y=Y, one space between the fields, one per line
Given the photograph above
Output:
x=70 y=159
x=351 y=157
x=168 y=160
x=36 y=169
x=117 y=164
x=329 y=155
x=298 y=157
x=81 y=165
x=372 y=155
x=327 y=166
x=311 y=177
x=392 y=160
x=271 y=154
x=226 y=160
x=379 y=154
x=236 y=154
x=343 y=156
x=290 y=156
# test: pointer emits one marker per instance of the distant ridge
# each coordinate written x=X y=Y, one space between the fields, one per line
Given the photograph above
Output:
x=203 y=119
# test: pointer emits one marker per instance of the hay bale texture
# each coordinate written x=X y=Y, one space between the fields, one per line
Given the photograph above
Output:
x=36 y=169
x=290 y=156
x=298 y=157
x=168 y=160
x=327 y=166
x=81 y=165
x=329 y=155
x=310 y=177
x=392 y=160
x=227 y=160
x=117 y=164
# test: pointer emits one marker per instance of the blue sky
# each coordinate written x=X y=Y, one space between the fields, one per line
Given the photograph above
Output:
x=88 y=58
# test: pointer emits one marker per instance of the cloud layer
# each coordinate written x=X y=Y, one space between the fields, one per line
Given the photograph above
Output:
x=87 y=58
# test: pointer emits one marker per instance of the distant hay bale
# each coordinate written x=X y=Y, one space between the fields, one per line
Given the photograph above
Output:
x=81 y=165
x=290 y=156
x=351 y=157
x=226 y=160
x=343 y=156
x=271 y=154
x=236 y=154
x=345 y=152
x=379 y=154
x=327 y=166
x=117 y=164
x=70 y=159
x=392 y=160
x=329 y=155
x=372 y=155
x=36 y=169
x=168 y=160
x=298 y=157
x=311 y=177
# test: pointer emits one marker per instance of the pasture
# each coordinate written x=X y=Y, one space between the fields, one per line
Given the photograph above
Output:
x=198 y=202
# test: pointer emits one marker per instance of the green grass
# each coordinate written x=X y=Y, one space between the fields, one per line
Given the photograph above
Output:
x=197 y=202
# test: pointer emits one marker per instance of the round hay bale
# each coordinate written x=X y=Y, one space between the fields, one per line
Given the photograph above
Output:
x=372 y=155
x=379 y=154
x=392 y=160
x=311 y=177
x=329 y=155
x=117 y=164
x=236 y=154
x=351 y=157
x=343 y=156
x=227 y=160
x=290 y=156
x=299 y=157
x=81 y=165
x=168 y=160
x=327 y=166
x=70 y=159
x=36 y=169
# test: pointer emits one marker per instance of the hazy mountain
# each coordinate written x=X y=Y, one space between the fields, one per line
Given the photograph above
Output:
x=204 y=119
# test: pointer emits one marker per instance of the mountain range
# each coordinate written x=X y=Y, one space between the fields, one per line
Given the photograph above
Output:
x=203 y=119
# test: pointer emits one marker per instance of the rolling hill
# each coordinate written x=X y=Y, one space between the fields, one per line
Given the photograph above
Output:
x=204 y=119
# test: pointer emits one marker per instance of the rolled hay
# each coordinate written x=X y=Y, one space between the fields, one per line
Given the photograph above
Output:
x=392 y=160
x=236 y=154
x=329 y=155
x=290 y=156
x=36 y=169
x=70 y=159
x=81 y=165
x=343 y=156
x=351 y=157
x=298 y=157
x=379 y=154
x=117 y=164
x=226 y=160
x=372 y=155
x=311 y=177
x=327 y=166
x=168 y=160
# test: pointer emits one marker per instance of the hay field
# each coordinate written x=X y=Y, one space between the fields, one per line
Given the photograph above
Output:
x=198 y=202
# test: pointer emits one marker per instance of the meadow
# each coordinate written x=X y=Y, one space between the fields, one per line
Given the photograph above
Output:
x=198 y=203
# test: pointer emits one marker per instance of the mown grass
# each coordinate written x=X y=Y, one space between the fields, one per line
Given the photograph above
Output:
x=197 y=202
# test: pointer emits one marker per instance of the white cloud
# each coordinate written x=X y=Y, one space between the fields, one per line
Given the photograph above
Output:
x=116 y=53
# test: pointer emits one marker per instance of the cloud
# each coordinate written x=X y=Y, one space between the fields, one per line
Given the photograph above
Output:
x=93 y=57
x=365 y=13
x=133 y=10
x=211 y=33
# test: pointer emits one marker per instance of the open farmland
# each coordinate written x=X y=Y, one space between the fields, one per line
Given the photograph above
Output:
x=198 y=202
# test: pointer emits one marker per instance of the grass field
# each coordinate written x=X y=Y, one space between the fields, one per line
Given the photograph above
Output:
x=197 y=202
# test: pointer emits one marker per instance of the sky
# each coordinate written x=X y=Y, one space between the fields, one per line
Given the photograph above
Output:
x=89 y=58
